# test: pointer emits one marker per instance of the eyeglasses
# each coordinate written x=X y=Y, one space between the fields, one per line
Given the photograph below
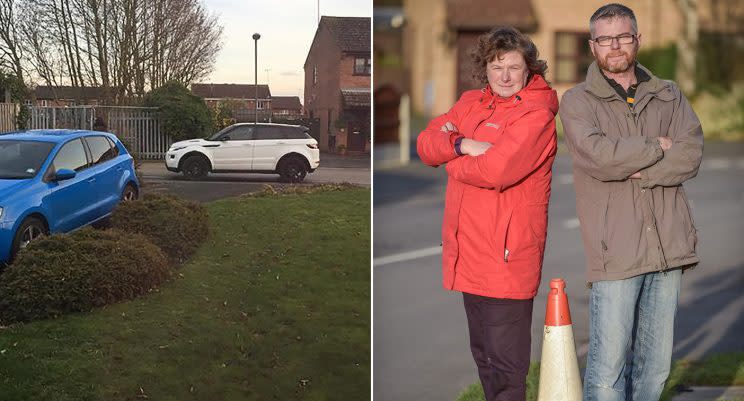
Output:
x=624 y=39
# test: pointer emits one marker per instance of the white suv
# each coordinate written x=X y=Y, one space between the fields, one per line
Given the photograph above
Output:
x=287 y=150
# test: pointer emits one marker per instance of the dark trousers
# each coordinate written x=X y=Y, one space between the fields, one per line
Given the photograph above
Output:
x=500 y=341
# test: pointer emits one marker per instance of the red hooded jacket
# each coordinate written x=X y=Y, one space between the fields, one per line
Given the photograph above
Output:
x=496 y=205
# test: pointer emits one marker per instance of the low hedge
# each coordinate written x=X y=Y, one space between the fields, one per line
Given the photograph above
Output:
x=77 y=272
x=175 y=225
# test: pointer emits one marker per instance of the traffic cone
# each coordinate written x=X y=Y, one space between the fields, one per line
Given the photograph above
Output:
x=559 y=369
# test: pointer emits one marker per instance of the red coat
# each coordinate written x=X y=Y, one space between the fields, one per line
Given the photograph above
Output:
x=496 y=206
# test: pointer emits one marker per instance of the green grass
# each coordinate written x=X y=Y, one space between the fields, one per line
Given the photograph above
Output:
x=275 y=306
x=717 y=370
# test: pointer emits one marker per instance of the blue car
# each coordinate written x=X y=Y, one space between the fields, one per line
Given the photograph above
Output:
x=56 y=181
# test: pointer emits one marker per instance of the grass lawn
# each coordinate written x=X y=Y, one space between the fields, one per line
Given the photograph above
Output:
x=717 y=370
x=274 y=306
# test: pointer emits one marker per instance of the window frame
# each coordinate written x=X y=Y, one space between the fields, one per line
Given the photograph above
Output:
x=51 y=169
x=112 y=146
x=366 y=66
x=582 y=39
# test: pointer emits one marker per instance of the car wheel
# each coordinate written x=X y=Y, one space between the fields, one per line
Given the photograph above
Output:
x=293 y=170
x=195 y=167
x=129 y=193
x=30 y=230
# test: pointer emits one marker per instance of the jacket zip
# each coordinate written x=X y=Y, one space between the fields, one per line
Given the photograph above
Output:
x=634 y=118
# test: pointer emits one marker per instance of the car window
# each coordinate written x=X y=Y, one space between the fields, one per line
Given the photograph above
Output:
x=101 y=149
x=264 y=133
x=293 y=133
x=71 y=156
x=240 y=133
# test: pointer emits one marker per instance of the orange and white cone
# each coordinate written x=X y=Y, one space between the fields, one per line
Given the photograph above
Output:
x=559 y=368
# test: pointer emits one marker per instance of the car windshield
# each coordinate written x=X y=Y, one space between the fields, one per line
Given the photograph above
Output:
x=216 y=135
x=22 y=159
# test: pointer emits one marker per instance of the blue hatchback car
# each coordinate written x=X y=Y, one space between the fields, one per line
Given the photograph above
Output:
x=55 y=181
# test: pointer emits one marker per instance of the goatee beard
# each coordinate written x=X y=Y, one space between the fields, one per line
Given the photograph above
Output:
x=627 y=64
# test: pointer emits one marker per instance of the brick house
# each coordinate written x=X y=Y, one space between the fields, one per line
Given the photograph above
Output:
x=338 y=71
x=439 y=33
x=58 y=96
x=286 y=108
x=241 y=96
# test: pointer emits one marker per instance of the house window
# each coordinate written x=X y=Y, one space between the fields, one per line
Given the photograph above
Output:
x=263 y=104
x=362 y=66
x=572 y=56
x=315 y=75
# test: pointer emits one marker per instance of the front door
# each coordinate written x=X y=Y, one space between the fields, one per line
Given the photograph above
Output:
x=234 y=149
x=70 y=201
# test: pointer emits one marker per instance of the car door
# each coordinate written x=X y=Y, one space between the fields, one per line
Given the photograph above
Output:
x=234 y=149
x=269 y=146
x=70 y=201
x=107 y=175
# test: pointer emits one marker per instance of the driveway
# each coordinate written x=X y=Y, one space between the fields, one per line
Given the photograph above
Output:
x=333 y=169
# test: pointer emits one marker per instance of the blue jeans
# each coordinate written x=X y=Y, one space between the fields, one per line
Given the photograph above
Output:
x=631 y=331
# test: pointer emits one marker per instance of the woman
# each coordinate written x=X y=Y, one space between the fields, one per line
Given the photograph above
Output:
x=499 y=144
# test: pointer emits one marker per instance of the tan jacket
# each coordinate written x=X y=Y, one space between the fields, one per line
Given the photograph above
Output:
x=632 y=226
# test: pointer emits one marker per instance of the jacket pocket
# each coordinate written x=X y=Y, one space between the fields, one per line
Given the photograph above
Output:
x=689 y=221
x=603 y=238
x=524 y=239
x=501 y=233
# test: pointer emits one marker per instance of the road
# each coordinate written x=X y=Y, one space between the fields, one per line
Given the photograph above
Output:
x=333 y=169
x=420 y=337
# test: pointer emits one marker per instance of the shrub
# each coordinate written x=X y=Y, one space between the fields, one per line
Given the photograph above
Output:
x=662 y=61
x=182 y=114
x=177 y=226
x=77 y=272
x=722 y=113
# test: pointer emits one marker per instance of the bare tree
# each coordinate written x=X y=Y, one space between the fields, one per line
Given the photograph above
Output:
x=126 y=47
x=10 y=49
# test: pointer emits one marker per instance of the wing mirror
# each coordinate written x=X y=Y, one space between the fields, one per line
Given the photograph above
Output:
x=64 y=174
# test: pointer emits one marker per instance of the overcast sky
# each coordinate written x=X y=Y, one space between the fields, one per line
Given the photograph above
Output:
x=287 y=28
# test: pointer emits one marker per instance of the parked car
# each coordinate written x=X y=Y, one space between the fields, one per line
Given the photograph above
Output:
x=56 y=181
x=287 y=150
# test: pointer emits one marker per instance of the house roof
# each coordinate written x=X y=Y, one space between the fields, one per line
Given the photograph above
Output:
x=356 y=97
x=286 y=103
x=352 y=34
x=487 y=14
x=68 y=92
x=230 y=91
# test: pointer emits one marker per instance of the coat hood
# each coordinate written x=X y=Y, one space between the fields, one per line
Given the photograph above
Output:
x=537 y=91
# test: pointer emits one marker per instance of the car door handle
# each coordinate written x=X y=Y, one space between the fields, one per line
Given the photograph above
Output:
x=282 y=143
x=92 y=180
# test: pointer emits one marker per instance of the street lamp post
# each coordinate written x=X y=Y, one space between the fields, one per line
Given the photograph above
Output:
x=256 y=37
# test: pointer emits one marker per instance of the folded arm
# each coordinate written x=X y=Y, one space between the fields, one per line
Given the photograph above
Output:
x=519 y=150
x=682 y=161
x=603 y=158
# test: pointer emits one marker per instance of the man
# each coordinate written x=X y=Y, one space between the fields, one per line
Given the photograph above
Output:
x=634 y=140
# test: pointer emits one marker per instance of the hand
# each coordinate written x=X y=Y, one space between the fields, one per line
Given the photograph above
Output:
x=449 y=127
x=665 y=142
x=473 y=148
x=636 y=175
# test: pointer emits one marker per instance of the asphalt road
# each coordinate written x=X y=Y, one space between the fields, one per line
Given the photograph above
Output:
x=420 y=338
x=333 y=169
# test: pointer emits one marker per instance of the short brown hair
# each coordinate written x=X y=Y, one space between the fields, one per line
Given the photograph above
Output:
x=502 y=40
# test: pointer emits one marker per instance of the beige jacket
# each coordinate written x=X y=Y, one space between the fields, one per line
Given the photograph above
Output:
x=632 y=226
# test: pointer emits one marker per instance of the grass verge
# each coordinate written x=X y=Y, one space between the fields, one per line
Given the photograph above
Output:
x=716 y=370
x=275 y=306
